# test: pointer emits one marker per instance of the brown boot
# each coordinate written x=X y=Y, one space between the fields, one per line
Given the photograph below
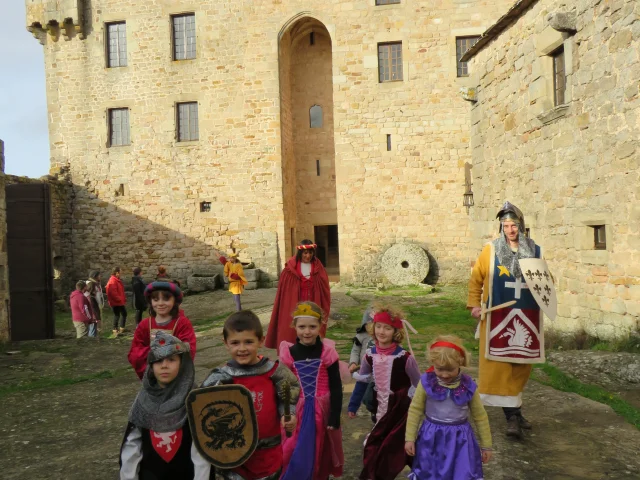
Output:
x=121 y=330
x=513 y=427
x=115 y=333
x=524 y=423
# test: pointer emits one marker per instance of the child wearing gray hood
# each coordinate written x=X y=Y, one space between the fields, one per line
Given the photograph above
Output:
x=157 y=441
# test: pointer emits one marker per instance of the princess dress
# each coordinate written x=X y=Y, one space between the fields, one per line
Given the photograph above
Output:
x=313 y=451
x=446 y=447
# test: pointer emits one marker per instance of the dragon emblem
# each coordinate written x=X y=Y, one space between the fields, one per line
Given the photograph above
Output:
x=519 y=335
x=223 y=423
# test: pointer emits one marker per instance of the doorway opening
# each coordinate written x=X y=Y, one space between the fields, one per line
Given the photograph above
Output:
x=326 y=237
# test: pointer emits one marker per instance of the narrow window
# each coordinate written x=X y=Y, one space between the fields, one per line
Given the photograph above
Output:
x=390 y=62
x=118 y=127
x=205 y=207
x=315 y=116
x=559 y=79
x=462 y=45
x=116 y=44
x=318 y=168
x=527 y=232
x=388 y=143
x=184 y=36
x=312 y=38
x=599 y=237
x=386 y=2
x=187 y=128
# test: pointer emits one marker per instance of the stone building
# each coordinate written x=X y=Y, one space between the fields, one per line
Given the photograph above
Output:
x=4 y=273
x=189 y=127
x=556 y=130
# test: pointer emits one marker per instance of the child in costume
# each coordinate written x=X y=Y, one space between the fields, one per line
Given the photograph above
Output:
x=235 y=273
x=81 y=312
x=164 y=299
x=315 y=450
x=362 y=341
x=396 y=375
x=445 y=446
x=243 y=337
x=157 y=441
x=117 y=301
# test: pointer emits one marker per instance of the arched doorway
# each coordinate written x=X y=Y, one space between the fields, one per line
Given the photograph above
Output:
x=308 y=149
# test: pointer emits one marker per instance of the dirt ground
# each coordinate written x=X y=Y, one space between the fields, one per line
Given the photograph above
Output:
x=54 y=428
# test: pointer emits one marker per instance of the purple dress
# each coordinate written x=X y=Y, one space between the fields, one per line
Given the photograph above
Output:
x=446 y=447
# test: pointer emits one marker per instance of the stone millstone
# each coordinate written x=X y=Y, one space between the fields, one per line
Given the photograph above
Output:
x=405 y=264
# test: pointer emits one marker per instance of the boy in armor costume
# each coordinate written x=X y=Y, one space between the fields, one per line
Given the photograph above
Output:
x=243 y=338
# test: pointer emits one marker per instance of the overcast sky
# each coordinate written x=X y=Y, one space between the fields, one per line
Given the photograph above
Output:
x=23 y=103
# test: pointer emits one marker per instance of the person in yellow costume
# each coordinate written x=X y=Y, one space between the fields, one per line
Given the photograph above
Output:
x=495 y=273
x=234 y=272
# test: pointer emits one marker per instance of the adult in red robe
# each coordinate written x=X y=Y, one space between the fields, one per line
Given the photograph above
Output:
x=303 y=279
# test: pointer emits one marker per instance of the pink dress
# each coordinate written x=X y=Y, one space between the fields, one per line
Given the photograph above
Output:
x=312 y=451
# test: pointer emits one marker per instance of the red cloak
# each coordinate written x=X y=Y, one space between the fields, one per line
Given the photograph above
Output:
x=180 y=328
x=288 y=296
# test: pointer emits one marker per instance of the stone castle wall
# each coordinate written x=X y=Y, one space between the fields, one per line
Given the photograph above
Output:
x=139 y=205
x=572 y=167
x=5 y=328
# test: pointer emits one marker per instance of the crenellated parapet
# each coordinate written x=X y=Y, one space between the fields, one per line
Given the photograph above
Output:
x=55 y=17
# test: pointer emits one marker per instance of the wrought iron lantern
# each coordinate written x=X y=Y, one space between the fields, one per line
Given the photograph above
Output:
x=467 y=199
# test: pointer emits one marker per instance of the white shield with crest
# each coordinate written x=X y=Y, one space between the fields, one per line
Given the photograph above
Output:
x=540 y=282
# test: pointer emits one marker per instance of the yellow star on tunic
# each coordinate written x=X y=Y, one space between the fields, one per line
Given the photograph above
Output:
x=504 y=270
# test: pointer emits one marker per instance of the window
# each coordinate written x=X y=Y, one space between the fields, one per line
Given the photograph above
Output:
x=315 y=116
x=388 y=143
x=386 y=2
x=184 y=36
x=187 y=128
x=205 y=207
x=119 y=127
x=462 y=45
x=390 y=62
x=312 y=38
x=116 y=44
x=599 y=237
x=318 y=168
x=559 y=79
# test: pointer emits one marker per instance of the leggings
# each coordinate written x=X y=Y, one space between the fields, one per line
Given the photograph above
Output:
x=511 y=411
x=236 y=297
x=139 y=314
x=117 y=312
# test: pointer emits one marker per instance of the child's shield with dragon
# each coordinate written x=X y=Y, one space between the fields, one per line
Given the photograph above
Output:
x=223 y=424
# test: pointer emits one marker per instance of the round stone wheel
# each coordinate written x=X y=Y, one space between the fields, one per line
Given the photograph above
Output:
x=405 y=264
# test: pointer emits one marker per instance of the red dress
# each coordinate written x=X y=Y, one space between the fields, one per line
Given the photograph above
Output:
x=293 y=287
x=180 y=328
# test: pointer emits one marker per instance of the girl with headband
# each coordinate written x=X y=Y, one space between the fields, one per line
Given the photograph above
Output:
x=445 y=445
x=396 y=375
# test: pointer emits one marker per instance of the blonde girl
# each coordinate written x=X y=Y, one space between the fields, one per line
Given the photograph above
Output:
x=396 y=375
x=315 y=449
x=445 y=445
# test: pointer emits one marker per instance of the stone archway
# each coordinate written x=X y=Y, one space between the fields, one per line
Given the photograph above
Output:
x=308 y=149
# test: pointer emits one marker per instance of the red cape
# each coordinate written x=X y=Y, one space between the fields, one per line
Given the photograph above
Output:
x=140 y=346
x=288 y=296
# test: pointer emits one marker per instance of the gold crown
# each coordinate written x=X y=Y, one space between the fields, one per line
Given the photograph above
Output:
x=305 y=311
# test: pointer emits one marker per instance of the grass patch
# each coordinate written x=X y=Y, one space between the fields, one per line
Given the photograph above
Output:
x=559 y=380
x=205 y=324
x=61 y=382
x=431 y=314
x=581 y=340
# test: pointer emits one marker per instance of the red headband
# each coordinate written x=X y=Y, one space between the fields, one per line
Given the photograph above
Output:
x=385 y=317
x=313 y=246
x=448 y=345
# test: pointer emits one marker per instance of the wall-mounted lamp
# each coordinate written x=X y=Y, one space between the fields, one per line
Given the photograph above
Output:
x=467 y=199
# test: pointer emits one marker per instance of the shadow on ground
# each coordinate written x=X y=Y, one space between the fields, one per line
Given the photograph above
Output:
x=65 y=405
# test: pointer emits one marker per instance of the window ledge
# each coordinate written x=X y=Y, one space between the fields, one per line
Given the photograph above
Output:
x=554 y=114
x=188 y=143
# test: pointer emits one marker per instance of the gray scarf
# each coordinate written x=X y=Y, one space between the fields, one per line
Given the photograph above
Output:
x=163 y=409
x=509 y=258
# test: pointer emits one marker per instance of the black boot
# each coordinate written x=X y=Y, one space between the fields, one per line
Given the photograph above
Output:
x=524 y=423
x=513 y=427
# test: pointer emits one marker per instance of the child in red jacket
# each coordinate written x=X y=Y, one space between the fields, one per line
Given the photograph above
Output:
x=81 y=311
x=164 y=299
x=117 y=301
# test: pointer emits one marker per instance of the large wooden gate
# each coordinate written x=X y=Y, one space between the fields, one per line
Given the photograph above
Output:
x=29 y=259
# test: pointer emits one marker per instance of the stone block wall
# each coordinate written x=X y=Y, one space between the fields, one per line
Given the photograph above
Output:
x=571 y=167
x=139 y=204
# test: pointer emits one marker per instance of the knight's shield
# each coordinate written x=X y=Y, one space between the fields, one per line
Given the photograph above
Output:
x=540 y=282
x=223 y=424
